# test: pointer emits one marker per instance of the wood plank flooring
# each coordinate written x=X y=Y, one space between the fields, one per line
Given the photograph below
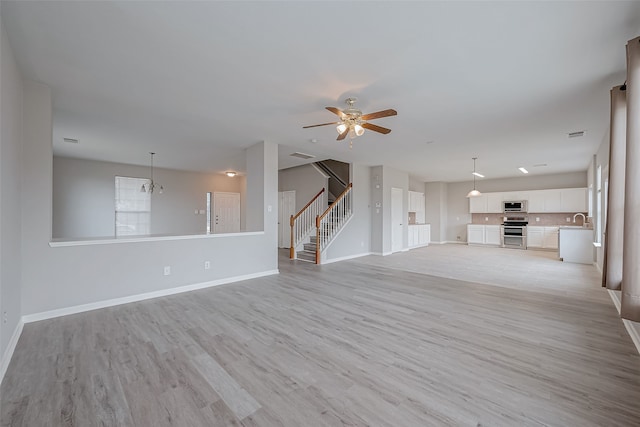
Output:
x=379 y=341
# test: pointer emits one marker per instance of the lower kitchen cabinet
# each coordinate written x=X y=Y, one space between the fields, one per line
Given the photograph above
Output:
x=478 y=234
x=419 y=235
x=542 y=237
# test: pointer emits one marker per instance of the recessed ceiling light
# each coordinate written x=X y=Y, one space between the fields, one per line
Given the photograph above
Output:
x=302 y=155
x=70 y=140
x=477 y=174
x=523 y=170
x=231 y=174
x=577 y=134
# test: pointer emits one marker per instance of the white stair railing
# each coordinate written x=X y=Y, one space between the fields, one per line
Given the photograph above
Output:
x=331 y=221
x=304 y=221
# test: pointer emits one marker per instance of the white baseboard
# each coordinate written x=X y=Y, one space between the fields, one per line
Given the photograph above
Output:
x=344 y=258
x=381 y=253
x=633 y=328
x=8 y=353
x=453 y=242
x=598 y=267
x=140 y=297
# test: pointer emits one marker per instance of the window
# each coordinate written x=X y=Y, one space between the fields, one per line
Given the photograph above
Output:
x=599 y=218
x=133 y=207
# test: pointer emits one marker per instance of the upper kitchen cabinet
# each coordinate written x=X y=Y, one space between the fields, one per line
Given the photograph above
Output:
x=478 y=204
x=486 y=203
x=536 y=201
x=574 y=200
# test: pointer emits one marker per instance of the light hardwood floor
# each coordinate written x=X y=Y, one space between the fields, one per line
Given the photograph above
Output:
x=443 y=335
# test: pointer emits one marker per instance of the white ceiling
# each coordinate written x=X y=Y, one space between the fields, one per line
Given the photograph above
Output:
x=197 y=82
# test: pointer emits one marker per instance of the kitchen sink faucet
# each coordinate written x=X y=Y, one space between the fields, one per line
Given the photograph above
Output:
x=584 y=219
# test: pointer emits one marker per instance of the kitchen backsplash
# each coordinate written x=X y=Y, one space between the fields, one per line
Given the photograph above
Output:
x=546 y=219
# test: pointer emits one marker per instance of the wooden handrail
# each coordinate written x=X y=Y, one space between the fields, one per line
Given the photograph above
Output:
x=292 y=221
x=294 y=217
x=340 y=197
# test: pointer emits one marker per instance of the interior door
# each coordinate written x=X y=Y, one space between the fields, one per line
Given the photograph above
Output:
x=286 y=208
x=397 y=219
x=226 y=212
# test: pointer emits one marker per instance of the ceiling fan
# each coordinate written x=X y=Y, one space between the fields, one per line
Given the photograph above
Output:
x=353 y=122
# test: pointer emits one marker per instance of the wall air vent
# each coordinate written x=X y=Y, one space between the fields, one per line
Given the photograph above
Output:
x=577 y=134
x=302 y=155
x=70 y=140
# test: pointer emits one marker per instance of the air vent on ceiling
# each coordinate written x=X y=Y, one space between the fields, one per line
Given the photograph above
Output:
x=577 y=134
x=302 y=155
x=70 y=140
x=540 y=165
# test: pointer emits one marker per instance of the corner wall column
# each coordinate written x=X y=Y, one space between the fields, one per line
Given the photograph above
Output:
x=614 y=237
x=631 y=259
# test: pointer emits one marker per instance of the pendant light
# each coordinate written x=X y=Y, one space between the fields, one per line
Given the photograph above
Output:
x=474 y=192
x=151 y=185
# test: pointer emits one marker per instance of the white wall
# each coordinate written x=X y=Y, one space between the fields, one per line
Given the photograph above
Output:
x=306 y=181
x=11 y=99
x=377 y=215
x=84 y=192
x=76 y=275
x=354 y=239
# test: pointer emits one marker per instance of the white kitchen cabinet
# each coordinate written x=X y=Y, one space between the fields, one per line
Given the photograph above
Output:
x=542 y=237
x=419 y=235
x=478 y=204
x=552 y=201
x=492 y=235
x=494 y=203
x=416 y=201
x=536 y=201
x=574 y=200
x=550 y=238
x=475 y=234
x=576 y=245
x=478 y=234
x=535 y=237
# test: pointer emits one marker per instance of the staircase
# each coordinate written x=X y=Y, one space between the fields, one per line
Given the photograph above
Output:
x=327 y=227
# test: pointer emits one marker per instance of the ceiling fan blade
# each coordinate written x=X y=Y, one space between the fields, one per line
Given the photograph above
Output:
x=338 y=112
x=323 y=124
x=376 y=128
x=379 y=114
x=343 y=134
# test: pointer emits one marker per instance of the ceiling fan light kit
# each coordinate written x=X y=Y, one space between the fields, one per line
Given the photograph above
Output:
x=353 y=122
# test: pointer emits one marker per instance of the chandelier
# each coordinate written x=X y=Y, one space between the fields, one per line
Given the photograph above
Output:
x=151 y=185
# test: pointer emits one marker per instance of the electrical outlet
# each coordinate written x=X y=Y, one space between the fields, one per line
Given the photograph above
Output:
x=167 y=270
x=457 y=237
x=486 y=218
x=568 y=219
x=537 y=219
x=207 y=265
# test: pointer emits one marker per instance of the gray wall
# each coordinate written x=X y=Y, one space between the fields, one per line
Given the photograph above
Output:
x=85 y=274
x=436 y=210
x=306 y=181
x=84 y=193
x=11 y=100
x=354 y=239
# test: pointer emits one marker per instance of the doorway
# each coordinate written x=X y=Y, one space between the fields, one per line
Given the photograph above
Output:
x=286 y=208
x=396 y=219
x=226 y=213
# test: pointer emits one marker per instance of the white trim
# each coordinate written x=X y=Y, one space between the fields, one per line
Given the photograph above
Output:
x=381 y=253
x=344 y=258
x=8 y=353
x=633 y=328
x=140 y=297
x=139 y=239
x=454 y=242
